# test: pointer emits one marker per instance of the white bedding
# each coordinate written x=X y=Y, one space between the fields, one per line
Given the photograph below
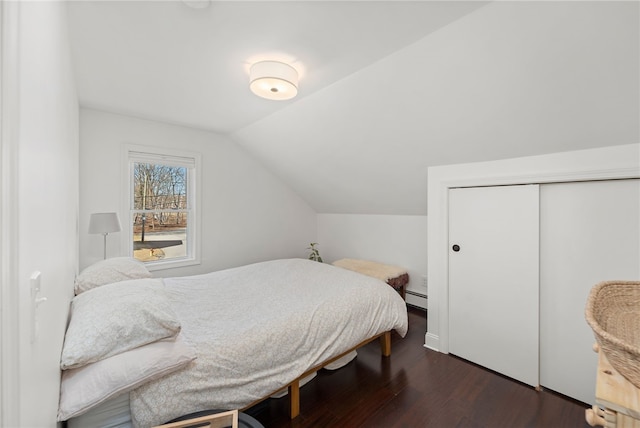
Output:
x=258 y=327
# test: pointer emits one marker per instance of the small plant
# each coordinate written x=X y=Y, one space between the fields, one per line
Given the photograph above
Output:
x=314 y=255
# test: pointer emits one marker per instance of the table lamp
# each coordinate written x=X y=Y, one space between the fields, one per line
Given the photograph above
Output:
x=104 y=223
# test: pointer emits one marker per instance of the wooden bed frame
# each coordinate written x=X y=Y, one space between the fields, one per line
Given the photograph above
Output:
x=294 y=387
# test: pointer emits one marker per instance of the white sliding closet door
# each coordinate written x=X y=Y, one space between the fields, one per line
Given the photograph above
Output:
x=493 y=278
x=589 y=232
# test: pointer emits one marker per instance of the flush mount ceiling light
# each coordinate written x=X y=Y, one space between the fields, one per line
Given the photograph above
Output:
x=273 y=80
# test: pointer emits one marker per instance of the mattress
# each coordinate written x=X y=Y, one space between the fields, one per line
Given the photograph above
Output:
x=258 y=327
x=113 y=413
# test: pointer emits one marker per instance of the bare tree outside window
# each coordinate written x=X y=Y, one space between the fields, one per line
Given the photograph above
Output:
x=160 y=211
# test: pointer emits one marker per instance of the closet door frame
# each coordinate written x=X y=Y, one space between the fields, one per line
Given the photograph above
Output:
x=610 y=163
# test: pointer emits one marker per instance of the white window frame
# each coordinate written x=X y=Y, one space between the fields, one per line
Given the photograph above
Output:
x=133 y=153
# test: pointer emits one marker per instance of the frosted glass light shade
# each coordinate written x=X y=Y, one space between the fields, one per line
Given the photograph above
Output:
x=273 y=80
x=104 y=223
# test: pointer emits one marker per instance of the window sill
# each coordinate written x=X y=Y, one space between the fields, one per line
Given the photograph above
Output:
x=171 y=264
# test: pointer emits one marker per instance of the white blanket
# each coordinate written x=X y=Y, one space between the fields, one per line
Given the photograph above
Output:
x=258 y=327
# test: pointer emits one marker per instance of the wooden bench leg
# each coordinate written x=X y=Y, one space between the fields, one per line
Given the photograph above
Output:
x=385 y=344
x=294 y=398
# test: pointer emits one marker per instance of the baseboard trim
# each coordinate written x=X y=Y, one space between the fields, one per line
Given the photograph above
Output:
x=419 y=308
x=432 y=341
x=413 y=293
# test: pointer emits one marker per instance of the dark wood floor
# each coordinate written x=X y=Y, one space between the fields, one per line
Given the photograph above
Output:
x=418 y=387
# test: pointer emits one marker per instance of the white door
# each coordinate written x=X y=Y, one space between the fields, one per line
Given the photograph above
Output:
x=589 y=232
x=493 y=278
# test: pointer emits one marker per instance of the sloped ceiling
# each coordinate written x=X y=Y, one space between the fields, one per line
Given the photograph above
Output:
x=387 y=88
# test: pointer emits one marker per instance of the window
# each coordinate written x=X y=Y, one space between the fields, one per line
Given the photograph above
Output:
x=161 y=198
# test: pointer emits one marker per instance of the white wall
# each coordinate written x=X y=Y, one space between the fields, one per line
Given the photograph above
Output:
x=391 y=239
x=511 y=79
x=248 y=215
x=45 y=203
x=592 y=164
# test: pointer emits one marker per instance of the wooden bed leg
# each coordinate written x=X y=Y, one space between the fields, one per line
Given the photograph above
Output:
x=385 y=344
x=294 y=398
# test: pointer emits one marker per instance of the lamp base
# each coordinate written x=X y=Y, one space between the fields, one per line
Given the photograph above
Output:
x=105 y=245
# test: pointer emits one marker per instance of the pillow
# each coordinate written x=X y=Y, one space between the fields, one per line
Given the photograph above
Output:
x=88 y=386
x=110 y=270
x=115 y=318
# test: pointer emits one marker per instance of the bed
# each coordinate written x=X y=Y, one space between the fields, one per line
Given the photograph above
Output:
x=241 y=335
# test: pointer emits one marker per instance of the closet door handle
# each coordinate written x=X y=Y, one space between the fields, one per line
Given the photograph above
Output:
x=456 y=248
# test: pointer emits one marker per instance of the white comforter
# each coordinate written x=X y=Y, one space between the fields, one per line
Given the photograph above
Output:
x=258 y=327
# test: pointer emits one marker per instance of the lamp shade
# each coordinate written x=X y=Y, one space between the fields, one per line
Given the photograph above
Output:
x=104 y=223
x=273 y=80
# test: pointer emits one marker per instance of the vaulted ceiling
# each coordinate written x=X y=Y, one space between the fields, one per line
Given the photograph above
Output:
x=387 y=88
